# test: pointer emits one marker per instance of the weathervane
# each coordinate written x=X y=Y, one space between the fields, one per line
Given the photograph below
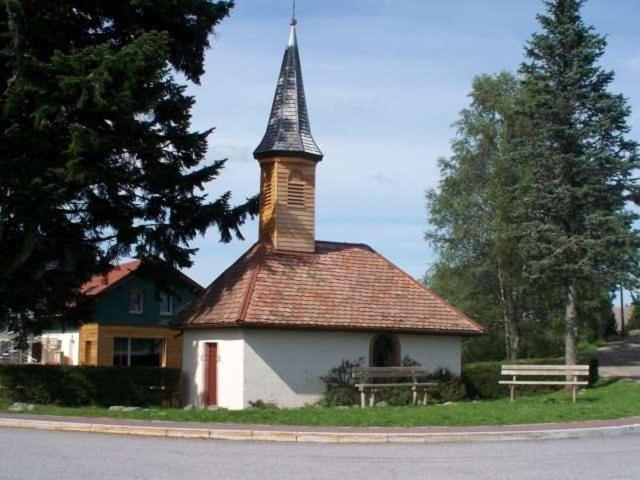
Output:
x=293 y=15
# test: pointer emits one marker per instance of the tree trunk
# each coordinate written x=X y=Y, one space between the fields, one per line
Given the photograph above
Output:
x=571 y=319
x=511 y=335
x=510 y=318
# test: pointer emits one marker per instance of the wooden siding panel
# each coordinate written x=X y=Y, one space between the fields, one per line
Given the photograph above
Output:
x=268 y=188
x=172 y=355
x=88 y=333
x=295 y=225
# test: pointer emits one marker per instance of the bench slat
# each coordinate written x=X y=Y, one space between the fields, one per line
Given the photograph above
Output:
x=546 y=367
x=388 y=371
x=390 y=375
x=579 y=373
x=380 y=385
x=540 y=382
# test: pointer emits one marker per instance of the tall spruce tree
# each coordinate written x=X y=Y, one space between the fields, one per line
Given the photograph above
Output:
x=97 y=156
x=580 y=165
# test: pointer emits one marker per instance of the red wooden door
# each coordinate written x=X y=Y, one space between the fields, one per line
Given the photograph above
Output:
x=212 y=374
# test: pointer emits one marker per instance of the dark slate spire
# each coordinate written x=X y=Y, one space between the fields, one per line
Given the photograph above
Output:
x=288 y=132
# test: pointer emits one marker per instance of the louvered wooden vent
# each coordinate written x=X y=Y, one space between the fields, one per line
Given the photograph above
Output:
x=295 y=197
x=266 y=192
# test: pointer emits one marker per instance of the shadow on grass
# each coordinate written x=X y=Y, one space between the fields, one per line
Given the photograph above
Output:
x=604 y=382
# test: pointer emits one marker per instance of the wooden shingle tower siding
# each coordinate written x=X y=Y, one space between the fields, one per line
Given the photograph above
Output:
x=288 y=156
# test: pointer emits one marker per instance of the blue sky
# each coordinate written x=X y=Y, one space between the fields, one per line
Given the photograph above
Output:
x=384 y=79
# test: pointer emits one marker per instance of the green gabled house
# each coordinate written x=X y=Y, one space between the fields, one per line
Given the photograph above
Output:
x=130 y=323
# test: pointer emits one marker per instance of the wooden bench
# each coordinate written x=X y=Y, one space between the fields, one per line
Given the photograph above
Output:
x=366 y=376
x=567 y=371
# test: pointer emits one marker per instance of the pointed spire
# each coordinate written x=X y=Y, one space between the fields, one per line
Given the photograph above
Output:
x=288 y=131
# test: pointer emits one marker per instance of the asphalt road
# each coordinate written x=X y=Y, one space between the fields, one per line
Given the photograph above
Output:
x=40 y=455
x=621 y=358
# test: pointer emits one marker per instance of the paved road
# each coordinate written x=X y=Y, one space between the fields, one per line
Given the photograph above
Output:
x=43 y=455
x=621 y=358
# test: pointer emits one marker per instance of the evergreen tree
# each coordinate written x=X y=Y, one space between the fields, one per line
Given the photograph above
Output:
x=97 y=156
x=579 y=173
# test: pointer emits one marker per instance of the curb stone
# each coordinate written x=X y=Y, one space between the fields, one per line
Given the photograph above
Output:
x=322 y=437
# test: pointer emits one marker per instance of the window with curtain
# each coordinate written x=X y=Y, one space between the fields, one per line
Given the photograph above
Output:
x=136 y=301
x=166 y=304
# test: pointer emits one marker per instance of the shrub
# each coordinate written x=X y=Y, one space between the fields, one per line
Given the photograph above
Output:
x=481 y=379
x=450 y=387
x=340 y=386
x=105 y=386
x=262 y=405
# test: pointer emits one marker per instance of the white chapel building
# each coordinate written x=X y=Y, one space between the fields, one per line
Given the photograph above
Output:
x=292 y=307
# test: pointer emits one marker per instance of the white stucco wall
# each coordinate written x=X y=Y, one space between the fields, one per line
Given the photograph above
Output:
x=284 y=366
x=230 y=367
x=69 y=345
x=433 y=351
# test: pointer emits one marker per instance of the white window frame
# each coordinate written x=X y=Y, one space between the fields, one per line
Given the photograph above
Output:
x=170 y=301
x=136 y=312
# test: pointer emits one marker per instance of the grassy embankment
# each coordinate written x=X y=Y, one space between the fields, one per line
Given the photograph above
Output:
x=606 y=400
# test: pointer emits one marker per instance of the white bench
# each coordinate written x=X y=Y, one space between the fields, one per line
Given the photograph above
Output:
x=367 y=375
x=570 y=372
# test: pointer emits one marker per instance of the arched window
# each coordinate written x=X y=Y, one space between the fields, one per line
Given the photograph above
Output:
x=384 y=351
x=295 y=196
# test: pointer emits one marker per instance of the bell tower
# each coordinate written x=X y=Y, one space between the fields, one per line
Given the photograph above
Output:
x=288 y=156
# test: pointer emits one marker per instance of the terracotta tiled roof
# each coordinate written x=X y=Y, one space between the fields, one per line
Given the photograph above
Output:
x=340 y=286
x=99 y=283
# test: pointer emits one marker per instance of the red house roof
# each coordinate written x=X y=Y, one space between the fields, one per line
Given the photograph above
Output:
x=339 y=287
x=100 y=283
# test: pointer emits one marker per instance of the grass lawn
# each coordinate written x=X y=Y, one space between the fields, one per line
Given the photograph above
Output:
x=605 y=401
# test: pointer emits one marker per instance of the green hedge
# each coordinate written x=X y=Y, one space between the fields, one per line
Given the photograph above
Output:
x=481 y=379
x=104 y=386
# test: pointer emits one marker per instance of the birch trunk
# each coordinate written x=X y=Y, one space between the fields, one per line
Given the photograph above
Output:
x=510 y=319
x=571 y=335
x=511 y=334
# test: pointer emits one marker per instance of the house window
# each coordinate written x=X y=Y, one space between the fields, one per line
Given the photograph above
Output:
x=136 y=300
x=120 y=352
x=137 y=352
x=166 y=304
x=295 y=196
x=384 y=351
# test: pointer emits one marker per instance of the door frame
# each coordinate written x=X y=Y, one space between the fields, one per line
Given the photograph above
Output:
x=211 y=374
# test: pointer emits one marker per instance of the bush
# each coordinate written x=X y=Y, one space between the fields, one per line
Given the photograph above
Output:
x=450 y=387
x=262 y=405
x=481 y=379
x=104 y=386
x=340 y=386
